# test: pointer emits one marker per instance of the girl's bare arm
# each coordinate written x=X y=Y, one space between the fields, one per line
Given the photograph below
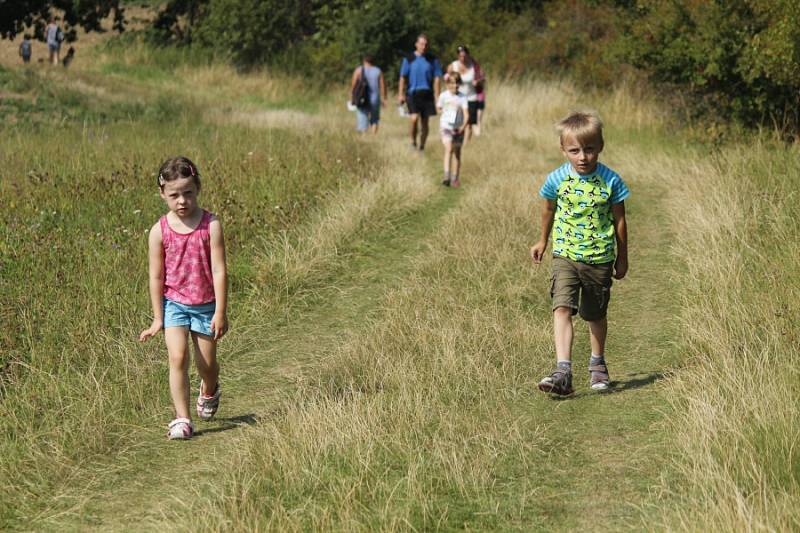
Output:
x=155 y=259
x=219 y=272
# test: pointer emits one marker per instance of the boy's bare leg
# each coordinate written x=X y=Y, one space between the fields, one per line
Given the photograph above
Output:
x=598 y=330
x=456 y=161
x=178 y=350
x=448 y=150
x=562 y=327
x=205 y=357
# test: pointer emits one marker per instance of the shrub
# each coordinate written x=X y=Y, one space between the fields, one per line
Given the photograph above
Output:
x=738 y=58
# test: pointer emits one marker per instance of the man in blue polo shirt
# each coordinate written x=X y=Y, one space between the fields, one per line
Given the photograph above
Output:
x=420 y=80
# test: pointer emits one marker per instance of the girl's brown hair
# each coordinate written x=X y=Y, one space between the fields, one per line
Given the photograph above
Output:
x=176 y=168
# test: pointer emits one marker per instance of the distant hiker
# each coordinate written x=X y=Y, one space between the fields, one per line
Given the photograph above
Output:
x=188 y=291
x=471 y=83
x=55 y=36
x=481 y=106
x=420 y=79
x=368 y=82
x=69 y=57
x=584 y=202
x=454 y=110
x=26 y=49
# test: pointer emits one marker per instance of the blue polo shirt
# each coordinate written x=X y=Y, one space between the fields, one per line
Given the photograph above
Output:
x=420 y=73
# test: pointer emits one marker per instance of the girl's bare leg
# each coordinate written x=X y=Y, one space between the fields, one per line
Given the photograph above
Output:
x=478 y=125
x=205 y=357
x=456 y=161
x=448 y=152
x=178 y=350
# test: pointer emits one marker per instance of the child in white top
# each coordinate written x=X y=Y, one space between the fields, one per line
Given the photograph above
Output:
x=454 y=112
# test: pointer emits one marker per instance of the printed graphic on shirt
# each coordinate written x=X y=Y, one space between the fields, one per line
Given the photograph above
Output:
x=583 y=227
x=453 y=106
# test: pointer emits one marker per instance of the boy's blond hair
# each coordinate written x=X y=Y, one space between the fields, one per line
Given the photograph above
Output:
x=584 y=126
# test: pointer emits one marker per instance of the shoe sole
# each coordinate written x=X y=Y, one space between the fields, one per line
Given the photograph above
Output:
x=549 y=387
x=600 y=386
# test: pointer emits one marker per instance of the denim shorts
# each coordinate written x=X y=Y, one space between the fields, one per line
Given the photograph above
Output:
x=195 y=317
x=368 y=116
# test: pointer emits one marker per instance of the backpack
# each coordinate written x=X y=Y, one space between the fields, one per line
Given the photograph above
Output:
x=360 y=97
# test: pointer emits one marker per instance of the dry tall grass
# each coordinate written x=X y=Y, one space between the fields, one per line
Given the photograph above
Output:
x=737 y=425
x=410 y=423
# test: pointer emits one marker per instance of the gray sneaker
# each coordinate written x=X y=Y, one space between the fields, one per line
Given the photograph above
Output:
x=558 y=382
x=598 y=377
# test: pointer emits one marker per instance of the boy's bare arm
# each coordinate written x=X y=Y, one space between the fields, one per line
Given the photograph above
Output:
x=548 y=214
x=621 y=234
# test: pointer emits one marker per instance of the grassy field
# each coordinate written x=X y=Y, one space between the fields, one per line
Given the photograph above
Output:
x=387 y=335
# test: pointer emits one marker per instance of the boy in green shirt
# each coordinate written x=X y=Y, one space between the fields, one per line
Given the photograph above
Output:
x=584 y=206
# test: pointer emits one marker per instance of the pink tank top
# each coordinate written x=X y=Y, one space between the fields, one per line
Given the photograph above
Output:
x=187 y=263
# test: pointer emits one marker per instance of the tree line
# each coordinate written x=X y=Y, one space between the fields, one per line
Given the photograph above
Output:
x=730 y=59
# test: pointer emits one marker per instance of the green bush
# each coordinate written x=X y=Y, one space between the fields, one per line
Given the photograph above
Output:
x=251 y=31
x=737 y=58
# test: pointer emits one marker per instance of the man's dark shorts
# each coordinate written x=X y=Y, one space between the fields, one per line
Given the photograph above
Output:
x=473 y=111
x=584 y=288
x=421 y=103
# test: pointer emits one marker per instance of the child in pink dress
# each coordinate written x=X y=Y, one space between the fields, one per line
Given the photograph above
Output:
x=188 y=291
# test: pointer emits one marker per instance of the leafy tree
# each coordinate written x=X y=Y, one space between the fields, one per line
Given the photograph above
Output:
x=176 y=20
x=251 y=31
x=19 y=15
x=739 y=57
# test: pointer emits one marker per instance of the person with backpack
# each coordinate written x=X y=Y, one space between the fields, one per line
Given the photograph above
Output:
x=368 y=94
x=55 y=36
x=26 y=49
x=420 y=81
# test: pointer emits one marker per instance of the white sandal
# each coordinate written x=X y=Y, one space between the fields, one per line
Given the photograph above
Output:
x=181 y=429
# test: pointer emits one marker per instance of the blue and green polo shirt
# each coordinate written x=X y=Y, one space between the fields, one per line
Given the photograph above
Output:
x=583 y=227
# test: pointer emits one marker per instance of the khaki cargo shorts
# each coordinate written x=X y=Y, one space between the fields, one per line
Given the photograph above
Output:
x=584 y=288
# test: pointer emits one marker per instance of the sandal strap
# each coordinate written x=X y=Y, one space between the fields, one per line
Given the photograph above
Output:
x=180 y=421
x=599 y=368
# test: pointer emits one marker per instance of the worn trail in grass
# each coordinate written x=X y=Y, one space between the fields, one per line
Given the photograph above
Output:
x=599 y=456
x=139 y=485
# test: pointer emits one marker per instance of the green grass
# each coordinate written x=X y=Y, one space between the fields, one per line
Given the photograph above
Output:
x=387 y=333
x=80 y=199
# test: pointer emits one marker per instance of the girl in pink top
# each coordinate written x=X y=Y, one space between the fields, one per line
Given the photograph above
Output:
x=188 y=290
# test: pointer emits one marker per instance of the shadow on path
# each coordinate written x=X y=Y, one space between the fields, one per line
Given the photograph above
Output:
x=232 y=422
x=638 y=380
